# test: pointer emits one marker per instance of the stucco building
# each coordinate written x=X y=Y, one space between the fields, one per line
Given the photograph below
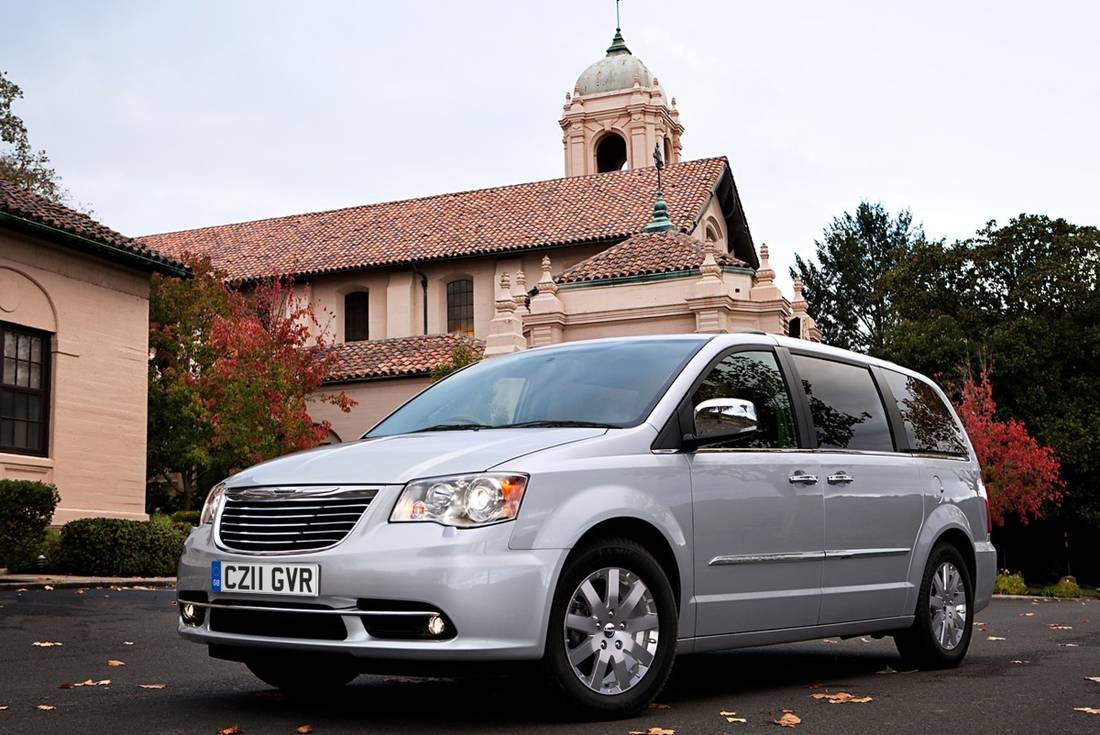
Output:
x=74 y=335
x=595 y=253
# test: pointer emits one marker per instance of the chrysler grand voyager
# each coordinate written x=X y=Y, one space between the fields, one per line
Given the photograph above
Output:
x=599 y=507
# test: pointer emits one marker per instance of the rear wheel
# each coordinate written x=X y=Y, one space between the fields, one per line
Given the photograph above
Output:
x=941 y=632
x=302 y=674
x=612 y=631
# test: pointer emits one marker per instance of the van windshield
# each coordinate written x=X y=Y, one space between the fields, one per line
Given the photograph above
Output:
x=602 y=384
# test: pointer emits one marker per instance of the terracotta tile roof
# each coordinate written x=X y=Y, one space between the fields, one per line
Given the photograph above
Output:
x=398 y=357
x=26 y=210
x=599 y=207
x=644 y=254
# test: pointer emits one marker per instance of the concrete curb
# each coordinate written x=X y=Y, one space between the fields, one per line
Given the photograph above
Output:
x=8 y=583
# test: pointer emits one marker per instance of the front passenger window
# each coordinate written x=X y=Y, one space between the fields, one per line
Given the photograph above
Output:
x=755 y=377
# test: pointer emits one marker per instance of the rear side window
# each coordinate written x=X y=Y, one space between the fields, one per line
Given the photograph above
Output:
x=929 y=424
x=845 y=405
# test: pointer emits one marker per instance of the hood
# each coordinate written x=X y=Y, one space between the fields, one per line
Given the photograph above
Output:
x=391 y=460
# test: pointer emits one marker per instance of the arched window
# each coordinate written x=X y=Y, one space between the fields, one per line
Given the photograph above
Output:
x=460 y=307
x=356 y=316
x=610 y=153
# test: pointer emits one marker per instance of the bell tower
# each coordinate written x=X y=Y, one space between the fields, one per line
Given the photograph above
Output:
x=616 y=114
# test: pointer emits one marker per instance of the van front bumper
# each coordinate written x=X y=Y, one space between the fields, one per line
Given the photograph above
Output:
x=497 y=599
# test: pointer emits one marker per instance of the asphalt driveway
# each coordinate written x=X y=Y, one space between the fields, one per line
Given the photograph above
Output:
x=1026 y=672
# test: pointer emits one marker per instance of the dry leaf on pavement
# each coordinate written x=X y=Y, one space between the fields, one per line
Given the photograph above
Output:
x=788 y=719
x=115 y=662
x=1069 y=645
x=732 y=717
x=1093 y=678
x=1088 y=710
x=152 y=686
x=46 y=644
x=994 y=638
x=48 y=588
x=231 y=730
x=127 y=643
x=653 y=731
x=1019 y=661
x=3 y=707
x=1027 y=615
x=304 y=729
x=45 y=707
x=841 y=698
x=1055 y=626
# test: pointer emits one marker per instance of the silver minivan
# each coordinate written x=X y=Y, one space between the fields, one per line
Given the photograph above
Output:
x=599 y=507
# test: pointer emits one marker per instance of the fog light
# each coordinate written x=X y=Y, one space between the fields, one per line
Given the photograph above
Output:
x=188 y=613
x=436 y=625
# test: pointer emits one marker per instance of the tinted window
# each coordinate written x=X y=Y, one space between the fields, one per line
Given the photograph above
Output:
x=929 y=423
x=754 y=376
x=608 y=383
x=845 y=405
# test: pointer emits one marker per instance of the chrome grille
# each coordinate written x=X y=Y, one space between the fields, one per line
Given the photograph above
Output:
x=290 y=519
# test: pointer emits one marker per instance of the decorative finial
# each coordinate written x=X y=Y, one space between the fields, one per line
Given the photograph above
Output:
x=798 y=291
x=546 y=282
x=709 y=267
x=764 y=274
x=660 y=221
x=618 y=46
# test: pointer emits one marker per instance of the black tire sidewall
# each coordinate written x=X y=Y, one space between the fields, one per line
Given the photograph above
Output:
x=633 y=557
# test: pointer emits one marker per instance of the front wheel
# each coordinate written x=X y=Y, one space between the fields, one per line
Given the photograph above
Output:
x=612 y=631
x=944 y=621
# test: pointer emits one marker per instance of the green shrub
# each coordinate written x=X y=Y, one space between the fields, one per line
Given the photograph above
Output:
x=112 y=547
x=26 y=508
x=186 y=516
x=1065 y=587
x=1009 y=584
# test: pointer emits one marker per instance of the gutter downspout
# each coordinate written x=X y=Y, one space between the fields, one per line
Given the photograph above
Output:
x=423 y=294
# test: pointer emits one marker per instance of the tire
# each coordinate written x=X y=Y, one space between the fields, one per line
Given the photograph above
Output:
x=303 y=674
x=940 y=641
x=626 y=683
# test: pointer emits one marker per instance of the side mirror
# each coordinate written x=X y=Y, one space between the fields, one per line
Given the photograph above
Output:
x=721 y=419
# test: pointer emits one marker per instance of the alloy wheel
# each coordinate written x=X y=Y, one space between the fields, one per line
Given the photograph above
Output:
x=611 y=630
x=947 y=606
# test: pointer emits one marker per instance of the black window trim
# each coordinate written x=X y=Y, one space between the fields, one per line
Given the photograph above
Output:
x=671 y=436
x=46 y=391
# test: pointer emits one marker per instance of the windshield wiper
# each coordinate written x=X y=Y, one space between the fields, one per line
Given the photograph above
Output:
x=454 y=427
x=547 y=423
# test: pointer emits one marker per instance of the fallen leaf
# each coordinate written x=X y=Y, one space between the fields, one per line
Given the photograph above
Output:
x=788 y=719
x=1054 y=626
x=45 y=707
x=732 y=717
x=127 y=643
x=115 y=662
x=80 y=591
x=48 y=588
x=1018 y=661
x=653 y=731
x=1093 y=678
x=660 y=706
x=841 y=698
x=21 y=589
x=1086 y=710
x=152 y=686
x=994 y=638
x=3 y=707
x=46 y=644
x=304 y=729
x=1027 y=615
x=1068 y=645
x=231 y=730
x=888 y=670
x=87 y=683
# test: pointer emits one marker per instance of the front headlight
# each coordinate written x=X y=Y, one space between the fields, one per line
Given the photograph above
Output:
x=210 y=507
x=462 y=500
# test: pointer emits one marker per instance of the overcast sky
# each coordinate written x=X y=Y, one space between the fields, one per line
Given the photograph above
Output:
x=170 y=115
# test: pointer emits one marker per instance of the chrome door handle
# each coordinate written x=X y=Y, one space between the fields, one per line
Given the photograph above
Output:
x=840 y=478
x=801 y=478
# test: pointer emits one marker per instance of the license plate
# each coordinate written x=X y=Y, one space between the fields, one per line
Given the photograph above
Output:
x=298 y=580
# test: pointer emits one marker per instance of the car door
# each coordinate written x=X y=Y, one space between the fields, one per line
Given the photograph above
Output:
x=873 y=494
x=758 y=508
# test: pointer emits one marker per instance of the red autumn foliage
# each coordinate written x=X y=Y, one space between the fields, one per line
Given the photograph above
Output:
x=1019 y=473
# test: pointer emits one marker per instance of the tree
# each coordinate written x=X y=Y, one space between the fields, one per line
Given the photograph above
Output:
x=232 y=376
x=461 y=356
x=844 y=287
x=19 y=162
x=1020 y=474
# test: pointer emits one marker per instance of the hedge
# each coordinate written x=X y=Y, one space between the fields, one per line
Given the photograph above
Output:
x=26 y=508
x=112 y=547
x=186 y=516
